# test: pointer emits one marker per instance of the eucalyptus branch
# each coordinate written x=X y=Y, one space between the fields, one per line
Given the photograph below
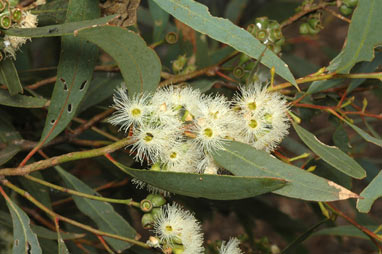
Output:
x=62 y=218
x=43 y=164
x=128 y=202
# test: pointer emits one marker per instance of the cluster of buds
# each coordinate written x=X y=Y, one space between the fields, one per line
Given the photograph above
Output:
x=347 y=6
x=12 y=16
x=312 y=26
x=177 y=129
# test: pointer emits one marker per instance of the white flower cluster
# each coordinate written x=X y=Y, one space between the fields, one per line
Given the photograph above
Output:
x=177 y=128
x=177 y=230
x=13 y=43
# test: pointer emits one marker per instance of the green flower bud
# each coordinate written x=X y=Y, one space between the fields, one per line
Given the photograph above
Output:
x=313 y=31
x=262 y=35
x=171 y=38
x=350 y=3
x=304 y=29
x=5 y=21
x=276 y=34
x=252 y=29
x=314 y=23
x=190 y=68
x=155 y=212
x=17 y=15
x=243 y=58
x=3 y=5
x=147 y=221
x=280 y=42
x=262 y=22
x=157 y=200
x=275 y=48
x=155 y=167
x=179 y=63
x=345 y=10
x=238 y=72
x=178 y=249
x=146 y=205
x=273 y=25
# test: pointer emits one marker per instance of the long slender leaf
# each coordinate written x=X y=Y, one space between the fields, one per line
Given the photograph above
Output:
x=139 y=64
x=8 y=134
x=160 y=18
x=197 y=16
x=363 y=36
x=371 y=193
x=243 y=160
x=102 y=213
x=22 y=101
x=346 y=230
x=218 y=187
x=330 y=154
x=9 y=76
x=75 y=69
x=25 y=240
x=61 y=29
x=366 y=136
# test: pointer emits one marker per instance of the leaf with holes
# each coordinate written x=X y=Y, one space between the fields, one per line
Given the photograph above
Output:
x=75 y=69
x=331 y=154
x=67 y=28
x=10 y=77
x=25 y=240
x=218 y=187
x=22 y=101
x=244 y=160
x=139 y=64
x=371 y=193
x=364 y=35
x=102 y=213
x=197 y=16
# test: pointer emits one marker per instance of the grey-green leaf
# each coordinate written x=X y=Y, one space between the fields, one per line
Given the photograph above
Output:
x=243 y=160
x=58 y=30
x=140 y=66
x=346 y=230
x=218 y=187
x=366 y=136
x=197 y=16
x=371 y=193
x=10 y=77
x=160 y=18
x=102 y=213
x=331 y=154
x=75 y=69
x=22 y=101
x=9 y=136
x=363 y=36
x=25 y=240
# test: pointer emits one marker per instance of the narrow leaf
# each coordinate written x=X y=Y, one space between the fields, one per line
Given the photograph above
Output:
x=331 y=154
x=243 y=160
x=366 y=136
x=9 y=76
x=75 y=69
x=371 y=193
x=363 y=36
x=218 y=187
x=160 y=18
x=102 y=213
x=25 y=240
x=58 y=30
x=45 y=233
x=347 y=230
x=22 y=101
x=140 y=65
x=197 y=16
x=9 y=136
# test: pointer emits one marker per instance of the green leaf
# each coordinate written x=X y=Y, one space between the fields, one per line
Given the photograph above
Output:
x=102 y=87
x=45 y=233
x=40 y=192
x=347 y=230
x=202 y=84
x=318 y=86
x=53 y=12
x=243 y=160
x=331 y=154
x=59 y=30
x=9 y=76
x=218 y=187
x=139 y=64
x=366 y=136
x=22 y=101
x=160 y=18
x=75 y=69
x=9 y=136
x=25 y=240
x=62 y=249
x=102 y=213
x=363 y=36
x=234 y=9
x=198 y=17
x=371 y=193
